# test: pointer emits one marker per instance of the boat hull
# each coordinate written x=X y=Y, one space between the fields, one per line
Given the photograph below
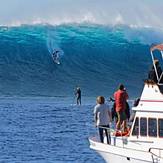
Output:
x=122 y=154
x=113 y=158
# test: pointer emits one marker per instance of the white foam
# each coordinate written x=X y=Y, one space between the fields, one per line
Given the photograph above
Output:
x=138 y=13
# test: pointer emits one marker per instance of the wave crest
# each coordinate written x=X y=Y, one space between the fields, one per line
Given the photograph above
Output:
x=139 y=13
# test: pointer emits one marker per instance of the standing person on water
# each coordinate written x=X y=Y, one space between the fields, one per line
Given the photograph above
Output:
x=56 y=56
x=78 y=96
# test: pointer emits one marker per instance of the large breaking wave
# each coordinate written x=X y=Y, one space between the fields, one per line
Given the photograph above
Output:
x=97 y=58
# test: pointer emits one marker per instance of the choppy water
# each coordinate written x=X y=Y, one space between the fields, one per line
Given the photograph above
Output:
x=41 y=130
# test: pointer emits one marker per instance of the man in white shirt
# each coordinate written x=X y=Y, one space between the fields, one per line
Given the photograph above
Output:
x=102 y=117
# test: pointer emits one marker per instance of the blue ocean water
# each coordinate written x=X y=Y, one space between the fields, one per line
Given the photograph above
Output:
x=37 y=119
x=40 y=130
x=96 y=58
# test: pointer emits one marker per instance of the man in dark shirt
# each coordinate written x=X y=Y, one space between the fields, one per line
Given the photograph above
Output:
x=78 y=96
x=152 y=74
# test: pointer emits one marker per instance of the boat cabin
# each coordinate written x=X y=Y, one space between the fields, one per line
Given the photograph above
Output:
x=148 y=121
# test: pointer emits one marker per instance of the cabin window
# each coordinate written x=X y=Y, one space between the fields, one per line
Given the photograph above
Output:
x=160 y=127
x=143 y=126
x=152 y=127
x=136 y=127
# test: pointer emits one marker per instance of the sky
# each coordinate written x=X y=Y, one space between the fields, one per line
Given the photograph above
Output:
x=136 y=13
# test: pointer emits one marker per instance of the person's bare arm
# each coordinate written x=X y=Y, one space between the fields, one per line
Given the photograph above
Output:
x=95 y=116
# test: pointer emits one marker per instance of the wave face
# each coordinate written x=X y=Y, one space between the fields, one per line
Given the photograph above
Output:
x=96 y=58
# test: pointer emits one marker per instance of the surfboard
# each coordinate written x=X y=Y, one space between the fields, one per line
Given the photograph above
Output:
x=56 y=61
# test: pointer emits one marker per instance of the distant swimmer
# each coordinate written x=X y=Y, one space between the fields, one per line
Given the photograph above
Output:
x=55 y=56
x=78 y=95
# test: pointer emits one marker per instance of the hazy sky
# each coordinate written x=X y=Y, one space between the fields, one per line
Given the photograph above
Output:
x=130 y=12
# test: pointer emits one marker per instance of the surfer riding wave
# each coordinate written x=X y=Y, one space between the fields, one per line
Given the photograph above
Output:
x=56 y=56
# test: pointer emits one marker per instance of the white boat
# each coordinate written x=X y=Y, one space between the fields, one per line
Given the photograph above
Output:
x=144 y=141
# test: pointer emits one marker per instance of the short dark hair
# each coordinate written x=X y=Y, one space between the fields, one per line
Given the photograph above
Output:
x=121 y=87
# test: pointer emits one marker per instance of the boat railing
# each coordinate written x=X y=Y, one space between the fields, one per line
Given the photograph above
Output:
x=116 y=133
x=156 y=153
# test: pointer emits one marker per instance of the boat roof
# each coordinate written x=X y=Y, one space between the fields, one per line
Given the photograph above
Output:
x=157 y=47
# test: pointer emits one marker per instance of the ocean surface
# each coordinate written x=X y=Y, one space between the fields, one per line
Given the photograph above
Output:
x=40 y=130
x=38 y=119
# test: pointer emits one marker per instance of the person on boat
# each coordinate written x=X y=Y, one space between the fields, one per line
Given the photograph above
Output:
x=152 y=74
x=113 y=110
x=78 y=96
x=113 y=113
x=120 y=97
x=127 y=111
x=136 y=103
x=102 y=117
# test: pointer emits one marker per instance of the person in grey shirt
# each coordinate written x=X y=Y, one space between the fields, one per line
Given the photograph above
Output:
x=102 y=117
